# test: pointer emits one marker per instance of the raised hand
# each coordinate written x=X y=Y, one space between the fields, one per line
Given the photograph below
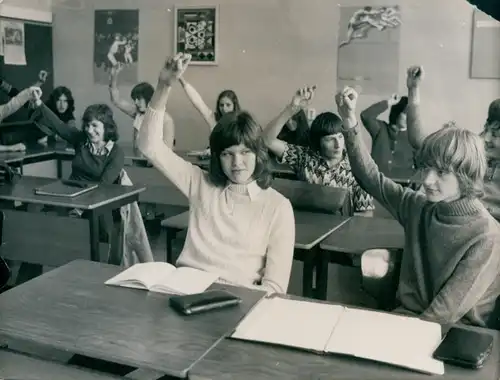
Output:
x=346 y=102
x=414 y=76
x=174 y=67
x=394 y=99
x=302 y=98
x=35 y=94
x=42 y=76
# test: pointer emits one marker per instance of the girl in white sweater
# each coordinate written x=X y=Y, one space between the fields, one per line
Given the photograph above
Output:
x=239 y=227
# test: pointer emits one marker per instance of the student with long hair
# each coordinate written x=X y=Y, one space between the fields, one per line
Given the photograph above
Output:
x=239 y=227
x=227 y=101
x=324 y=161
x=450 y=267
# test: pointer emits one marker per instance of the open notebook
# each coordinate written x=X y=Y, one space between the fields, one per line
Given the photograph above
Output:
x=325 y=328
x=164 y=278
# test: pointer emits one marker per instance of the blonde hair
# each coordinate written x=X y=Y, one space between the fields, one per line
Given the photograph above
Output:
x=459 y=151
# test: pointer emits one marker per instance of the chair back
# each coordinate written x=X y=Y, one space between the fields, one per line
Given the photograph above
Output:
x=315 y=198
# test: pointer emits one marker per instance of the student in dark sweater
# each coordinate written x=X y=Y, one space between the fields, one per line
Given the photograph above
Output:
x=97 y=157
x=450 y=269
x=390 y=147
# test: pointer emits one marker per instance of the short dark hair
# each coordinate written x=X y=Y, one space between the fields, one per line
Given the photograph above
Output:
x=494 y=111
x=325 y=124
x=54 y=97
x=142 y=90
x=235 y=128
x=231 y=95
x=397 y=109
x=104 y=114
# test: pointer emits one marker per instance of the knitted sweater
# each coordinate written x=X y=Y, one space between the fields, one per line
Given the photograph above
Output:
x=450 y=268
x=244 y=233
x=390 y=148
x=85 y=166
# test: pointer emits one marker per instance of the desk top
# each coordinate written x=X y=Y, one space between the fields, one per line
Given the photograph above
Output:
x=70 y=309
x=361 y=233
x=14 y=365
x=311 y=228
x=23 y=191
x=233 y=359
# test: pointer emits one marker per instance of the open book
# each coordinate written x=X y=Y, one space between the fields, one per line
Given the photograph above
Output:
x=324 y=328
x=162 y=277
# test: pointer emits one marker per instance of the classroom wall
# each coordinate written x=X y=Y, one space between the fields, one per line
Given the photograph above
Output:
x=268 y=48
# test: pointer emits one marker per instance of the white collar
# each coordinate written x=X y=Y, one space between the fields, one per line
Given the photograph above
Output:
x=252 y=189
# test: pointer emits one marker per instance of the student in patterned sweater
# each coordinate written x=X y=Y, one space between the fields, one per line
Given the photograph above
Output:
x=450 y=269
x=324 y=162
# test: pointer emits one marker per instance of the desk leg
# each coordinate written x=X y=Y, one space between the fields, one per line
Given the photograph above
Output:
x=94 y=236
x=307 y=274
x=59 y=168
x=322 y=275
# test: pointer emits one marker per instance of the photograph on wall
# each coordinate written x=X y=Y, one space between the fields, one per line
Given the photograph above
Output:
x=13 y=43
x=368 y=49
x=116 y=43
x=196 y=32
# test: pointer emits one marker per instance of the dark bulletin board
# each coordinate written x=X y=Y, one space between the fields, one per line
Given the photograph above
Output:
x=38 y=50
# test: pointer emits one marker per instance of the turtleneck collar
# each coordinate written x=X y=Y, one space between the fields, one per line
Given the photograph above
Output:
x=251 y=189
x=464 y=207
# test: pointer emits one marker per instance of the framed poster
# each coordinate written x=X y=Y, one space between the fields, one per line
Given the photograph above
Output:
x=196 y=30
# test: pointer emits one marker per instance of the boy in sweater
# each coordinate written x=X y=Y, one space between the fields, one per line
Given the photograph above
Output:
x=450 y=268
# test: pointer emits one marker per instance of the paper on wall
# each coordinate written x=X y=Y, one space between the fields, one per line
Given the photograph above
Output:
x=14 y=43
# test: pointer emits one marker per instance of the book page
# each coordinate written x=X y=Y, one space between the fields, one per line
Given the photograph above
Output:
x=287 y=322
x=142 y=275
x=390 y=338
x=185 y=280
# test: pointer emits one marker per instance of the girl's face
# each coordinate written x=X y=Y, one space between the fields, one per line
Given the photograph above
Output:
x=238 y=163
x=62 y=104
x=95 y=131
x=226 y=105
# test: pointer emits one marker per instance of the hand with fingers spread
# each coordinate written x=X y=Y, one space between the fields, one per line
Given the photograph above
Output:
x=42 y=76
x=346 y=103
x=393 y=100
x=414 y=76
x=302 y=98
x=174 y=67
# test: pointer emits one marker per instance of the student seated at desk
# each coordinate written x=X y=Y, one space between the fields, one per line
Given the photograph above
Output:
x=324 y=161
x=62 y=104
x=141 y=95
x=11 y=107
x=390 y=145
x=239 y=227
x=296 y=130
x=450 y=268
x=98 y=158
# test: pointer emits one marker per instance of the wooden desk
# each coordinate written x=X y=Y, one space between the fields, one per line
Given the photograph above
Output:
x=353 y=238
x=310 y=229
x=70 y=309
x=232 y=359
x=97 y=202
x=14 y=365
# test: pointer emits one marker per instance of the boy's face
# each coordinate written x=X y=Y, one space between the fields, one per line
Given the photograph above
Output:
x=332 y=146
x=491 y=137
x=441 y=186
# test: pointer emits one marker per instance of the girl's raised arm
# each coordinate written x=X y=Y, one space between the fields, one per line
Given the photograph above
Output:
x=150 y=141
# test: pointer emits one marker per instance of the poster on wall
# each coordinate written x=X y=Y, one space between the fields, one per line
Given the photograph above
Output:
x=368 y=49
x=196 y=32
x=485 y=60
x=116 y=43
x=13 y=46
